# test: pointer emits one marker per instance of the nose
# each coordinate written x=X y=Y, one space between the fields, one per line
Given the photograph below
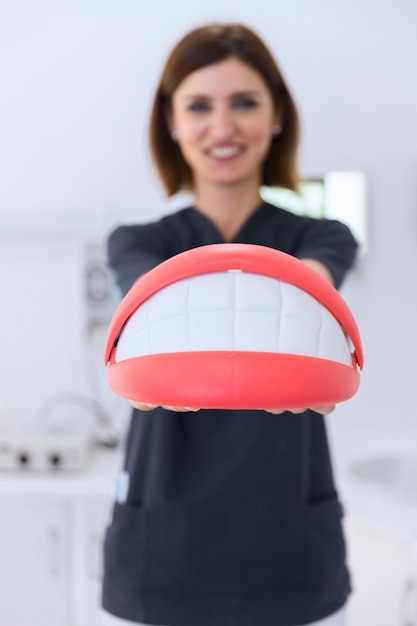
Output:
x=222 y=123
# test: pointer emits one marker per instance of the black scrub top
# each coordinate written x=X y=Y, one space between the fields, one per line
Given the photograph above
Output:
x=231 y=518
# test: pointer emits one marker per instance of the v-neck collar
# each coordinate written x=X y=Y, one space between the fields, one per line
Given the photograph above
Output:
x=239 y=236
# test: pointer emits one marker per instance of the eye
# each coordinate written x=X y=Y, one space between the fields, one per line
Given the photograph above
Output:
x=199 y=106
x=245 y=102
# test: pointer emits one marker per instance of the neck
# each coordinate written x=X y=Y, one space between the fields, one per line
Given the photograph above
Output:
x=227 y=207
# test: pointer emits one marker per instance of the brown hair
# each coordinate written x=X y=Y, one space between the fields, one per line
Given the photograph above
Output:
x=204 y=46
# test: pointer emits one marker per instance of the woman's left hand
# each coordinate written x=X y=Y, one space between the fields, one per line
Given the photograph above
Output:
x=323 y=410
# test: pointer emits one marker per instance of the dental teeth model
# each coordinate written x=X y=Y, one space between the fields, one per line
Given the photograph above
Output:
x=234 y=326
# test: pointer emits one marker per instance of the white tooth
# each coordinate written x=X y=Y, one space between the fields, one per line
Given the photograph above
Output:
x=233 y=311
x=224 y=152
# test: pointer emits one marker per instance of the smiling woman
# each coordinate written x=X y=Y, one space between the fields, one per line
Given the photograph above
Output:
x=227 y=515
x=223 y=116
x=203 y=50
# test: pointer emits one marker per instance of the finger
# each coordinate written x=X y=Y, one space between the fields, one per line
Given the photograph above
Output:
x=142 y=406
x=180 y=409
x=325 y=410
x=279 y=411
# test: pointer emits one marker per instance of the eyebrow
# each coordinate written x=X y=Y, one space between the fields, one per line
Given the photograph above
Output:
x=237 y=94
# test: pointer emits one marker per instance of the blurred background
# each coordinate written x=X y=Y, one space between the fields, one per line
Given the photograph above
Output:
x=76 y=82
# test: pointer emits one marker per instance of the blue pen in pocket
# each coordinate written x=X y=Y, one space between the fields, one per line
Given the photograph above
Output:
x=122 y=487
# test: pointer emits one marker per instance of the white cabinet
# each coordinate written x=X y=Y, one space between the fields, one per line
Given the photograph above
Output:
x=89 y=523
x=51 y=534
x=383 y=566
x=34 y=573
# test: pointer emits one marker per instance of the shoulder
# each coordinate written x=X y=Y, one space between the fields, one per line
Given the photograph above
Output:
x=325 y=240
x=331 y=243
x=148 y=233
x=131 y=231
x=306 y=226
x=302 y=222
x=134 y=249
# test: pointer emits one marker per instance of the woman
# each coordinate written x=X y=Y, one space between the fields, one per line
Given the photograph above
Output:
x=227 y=518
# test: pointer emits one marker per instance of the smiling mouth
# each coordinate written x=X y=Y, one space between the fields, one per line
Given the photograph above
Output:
x=233 y=311
x=225 y=152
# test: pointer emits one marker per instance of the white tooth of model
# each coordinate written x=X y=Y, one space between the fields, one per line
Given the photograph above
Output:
x=233 y=311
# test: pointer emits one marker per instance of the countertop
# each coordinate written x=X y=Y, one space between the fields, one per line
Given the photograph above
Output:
x=96 y=478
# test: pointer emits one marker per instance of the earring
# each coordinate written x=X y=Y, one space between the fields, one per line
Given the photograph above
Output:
x=276 y=129
x=175 y=135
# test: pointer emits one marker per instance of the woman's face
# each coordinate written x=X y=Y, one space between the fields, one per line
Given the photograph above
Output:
x=223 y=115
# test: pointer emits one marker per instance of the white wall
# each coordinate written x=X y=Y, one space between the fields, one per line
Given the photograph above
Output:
x=76 y=80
